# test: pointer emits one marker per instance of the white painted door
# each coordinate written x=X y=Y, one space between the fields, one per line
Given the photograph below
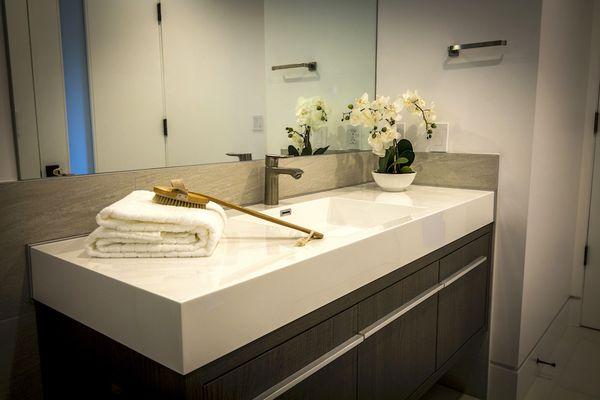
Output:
x=49 y=83
x=590 y=315
x=214 y=78
x=124 y=57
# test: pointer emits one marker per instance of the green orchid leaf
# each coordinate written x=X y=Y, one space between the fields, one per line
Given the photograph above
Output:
x=406 y=170
x=399 y=161
x=292 y=151
x=409 y=155
x=320 y=150
x=403 y=145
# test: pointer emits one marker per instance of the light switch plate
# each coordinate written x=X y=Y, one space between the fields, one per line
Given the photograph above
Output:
x=257 y=123
x=439 y=140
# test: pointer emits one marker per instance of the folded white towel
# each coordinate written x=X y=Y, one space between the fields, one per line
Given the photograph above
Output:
x=135 y=226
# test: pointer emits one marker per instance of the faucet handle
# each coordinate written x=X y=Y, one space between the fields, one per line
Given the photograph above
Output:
x=272 y=160
x=277 y=156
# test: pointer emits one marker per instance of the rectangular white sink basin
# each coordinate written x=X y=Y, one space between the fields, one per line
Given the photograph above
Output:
x=337 y=216
x=185 y=313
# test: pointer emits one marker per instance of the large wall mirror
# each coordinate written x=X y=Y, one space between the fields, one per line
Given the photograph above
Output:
x=114 y=85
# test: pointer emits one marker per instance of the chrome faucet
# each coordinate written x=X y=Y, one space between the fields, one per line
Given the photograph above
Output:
x=272 y=172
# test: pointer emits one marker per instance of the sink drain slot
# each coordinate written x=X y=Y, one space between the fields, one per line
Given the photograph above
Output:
x=285 y=213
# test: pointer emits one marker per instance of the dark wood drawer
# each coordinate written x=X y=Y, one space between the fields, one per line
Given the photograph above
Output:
x=462 y=311
x=396 y=359
x=337 y=381
x=394 y=296
x=267 y=370
x=460 y=258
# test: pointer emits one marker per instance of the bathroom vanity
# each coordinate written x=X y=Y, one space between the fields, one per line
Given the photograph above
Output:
x=393 y=299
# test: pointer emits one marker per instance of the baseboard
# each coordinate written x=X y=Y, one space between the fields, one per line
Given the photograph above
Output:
x=506 y=383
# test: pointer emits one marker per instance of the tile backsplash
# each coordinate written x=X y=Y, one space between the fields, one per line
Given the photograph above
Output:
x=40 y=210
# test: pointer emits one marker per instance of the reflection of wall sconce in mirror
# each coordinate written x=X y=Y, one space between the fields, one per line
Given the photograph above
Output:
x=312 y=66
x=310 y=74
x=454 y=50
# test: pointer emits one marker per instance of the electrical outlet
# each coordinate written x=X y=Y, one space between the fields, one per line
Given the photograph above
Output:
x=439 y=139
x=258 y=123
x=353 y=136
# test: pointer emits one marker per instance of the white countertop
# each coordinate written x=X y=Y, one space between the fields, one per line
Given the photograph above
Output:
x=184 y=313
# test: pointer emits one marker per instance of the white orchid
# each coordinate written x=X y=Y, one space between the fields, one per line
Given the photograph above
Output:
x=312 y=112
x=362 y=102
x=311 y=115
x=379 y=117
x=297 y=140
x=377 y=145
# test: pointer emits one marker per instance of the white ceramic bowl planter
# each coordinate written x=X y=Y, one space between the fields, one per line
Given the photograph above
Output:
x=394 y=182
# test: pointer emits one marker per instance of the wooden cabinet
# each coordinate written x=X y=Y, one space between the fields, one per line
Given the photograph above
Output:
x=336 y=381
x=396 y=359
x=463 y=303
x=273 y=367
x=391 y=339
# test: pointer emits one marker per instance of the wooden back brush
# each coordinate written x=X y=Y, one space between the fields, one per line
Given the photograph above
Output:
x=179 y=195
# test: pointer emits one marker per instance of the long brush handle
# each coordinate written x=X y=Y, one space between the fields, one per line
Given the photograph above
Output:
x=257 y=214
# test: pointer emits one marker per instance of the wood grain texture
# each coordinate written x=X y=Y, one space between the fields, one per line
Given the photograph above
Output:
x=80 y=363
x=396 y=295
x=251 y=379
x=462 y=312
x=463 y=256
x=337 y=381
x=395 y=361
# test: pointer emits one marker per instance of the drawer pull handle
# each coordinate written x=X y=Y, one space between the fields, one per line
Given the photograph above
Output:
x=354 y=341
x=310 y=369
x=400 y=311
x=463 y=271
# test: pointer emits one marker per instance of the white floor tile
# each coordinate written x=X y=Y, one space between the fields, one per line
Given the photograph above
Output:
x=583 y=371
x=577 y=374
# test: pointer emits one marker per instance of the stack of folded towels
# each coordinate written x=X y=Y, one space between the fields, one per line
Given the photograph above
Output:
x=135 y=226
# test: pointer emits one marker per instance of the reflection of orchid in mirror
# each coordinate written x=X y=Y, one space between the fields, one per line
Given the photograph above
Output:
x=311 y=115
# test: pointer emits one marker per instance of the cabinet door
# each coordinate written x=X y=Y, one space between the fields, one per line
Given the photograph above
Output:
x=395 y=360
x=318 y=363
x=462 y=303
x=337 y=381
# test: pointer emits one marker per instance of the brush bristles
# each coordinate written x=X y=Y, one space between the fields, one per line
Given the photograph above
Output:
x=168 y=201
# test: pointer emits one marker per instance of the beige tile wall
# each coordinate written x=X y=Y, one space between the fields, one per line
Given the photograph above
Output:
x=39 y=210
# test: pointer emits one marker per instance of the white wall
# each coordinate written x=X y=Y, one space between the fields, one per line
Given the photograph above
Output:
x=557 y=138
x=532 y=102
x=8 y=163
x=488 y=97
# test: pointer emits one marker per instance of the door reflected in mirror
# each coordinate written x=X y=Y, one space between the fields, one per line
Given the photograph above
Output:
x=113 y=85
